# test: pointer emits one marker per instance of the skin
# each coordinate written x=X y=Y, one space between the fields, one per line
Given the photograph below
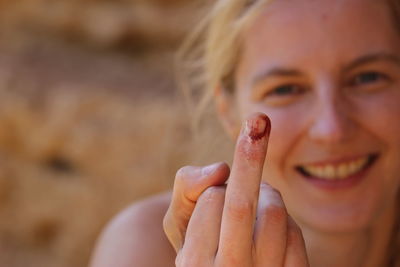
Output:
x=337 y=104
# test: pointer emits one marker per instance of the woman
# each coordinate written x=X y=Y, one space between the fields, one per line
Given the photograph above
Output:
x=327 y=74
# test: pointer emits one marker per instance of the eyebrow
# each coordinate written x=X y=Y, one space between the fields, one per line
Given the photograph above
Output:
x=284 y=72
x=372 y=58
x=276 y=72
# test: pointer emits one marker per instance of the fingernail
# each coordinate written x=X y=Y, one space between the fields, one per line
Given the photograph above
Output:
x=257 y=126
x=210 y=169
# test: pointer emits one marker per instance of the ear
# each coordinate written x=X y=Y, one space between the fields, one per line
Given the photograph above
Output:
x=227 y=111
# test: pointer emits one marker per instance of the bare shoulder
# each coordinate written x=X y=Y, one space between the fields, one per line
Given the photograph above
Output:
x=135 y=237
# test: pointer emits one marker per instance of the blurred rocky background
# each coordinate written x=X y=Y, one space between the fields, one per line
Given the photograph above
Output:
x=90 y=119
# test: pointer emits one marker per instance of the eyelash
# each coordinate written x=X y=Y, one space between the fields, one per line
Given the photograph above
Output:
x=286 y=88
x=377 y=77
x=293 y=89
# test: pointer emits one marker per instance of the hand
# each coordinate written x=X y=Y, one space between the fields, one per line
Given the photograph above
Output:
x=242 y=224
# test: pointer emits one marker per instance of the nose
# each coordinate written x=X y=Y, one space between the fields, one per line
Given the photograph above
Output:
x=331 y=123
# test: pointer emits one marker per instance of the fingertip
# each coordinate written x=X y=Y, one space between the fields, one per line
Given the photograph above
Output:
x=252 y=143
x=209 y=170
x=270 y=195
x=224 y=170
x=265 y=185
x=194 y=180
x=257 y=126
x=217 y=176
x=267 y=188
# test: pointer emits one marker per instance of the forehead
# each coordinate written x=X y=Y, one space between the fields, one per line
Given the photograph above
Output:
x=319 y=31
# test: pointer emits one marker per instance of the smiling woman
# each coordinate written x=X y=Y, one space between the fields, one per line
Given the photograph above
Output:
x=327 y=76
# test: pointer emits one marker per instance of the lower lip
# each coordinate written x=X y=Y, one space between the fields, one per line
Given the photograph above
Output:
x=339 y=184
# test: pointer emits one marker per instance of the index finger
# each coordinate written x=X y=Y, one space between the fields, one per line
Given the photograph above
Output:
x=190 y=182
x=236 y=238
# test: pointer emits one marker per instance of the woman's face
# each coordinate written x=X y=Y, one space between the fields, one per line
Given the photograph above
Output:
x=327 y=73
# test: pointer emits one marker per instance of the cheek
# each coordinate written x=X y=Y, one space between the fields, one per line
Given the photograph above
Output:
x=287 y=129
x=381 y=114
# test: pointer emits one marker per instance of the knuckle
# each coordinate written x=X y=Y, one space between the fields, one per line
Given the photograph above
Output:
x=239 y=208
x=169 y=231
x=228 y=259
x=174 y=231
x=275 y=213
x=183 y=173
x=187 y=259
x=213 y=193
x=184 y=179
x=171 y=219
x=167 y=224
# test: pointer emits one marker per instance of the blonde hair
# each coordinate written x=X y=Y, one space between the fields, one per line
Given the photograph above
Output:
x=208 y=57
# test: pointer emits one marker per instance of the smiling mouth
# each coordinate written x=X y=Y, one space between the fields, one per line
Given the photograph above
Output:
x=337 y=171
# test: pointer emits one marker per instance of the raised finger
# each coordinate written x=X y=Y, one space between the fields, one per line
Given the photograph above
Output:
x=190 y=182
x=202 y=236
x=241 y=198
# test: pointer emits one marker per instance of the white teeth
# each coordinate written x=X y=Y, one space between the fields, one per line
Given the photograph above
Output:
x=342 y=170
x=339 y=171
x=329 y=172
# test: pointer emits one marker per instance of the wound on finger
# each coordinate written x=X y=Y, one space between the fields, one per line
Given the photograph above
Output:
x=253 y=141
x=257 y=127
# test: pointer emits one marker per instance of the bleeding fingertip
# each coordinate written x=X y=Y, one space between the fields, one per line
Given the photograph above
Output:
x=257 y=126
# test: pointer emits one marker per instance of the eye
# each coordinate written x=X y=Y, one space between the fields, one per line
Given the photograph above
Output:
x=282 y=95
x=367 y=78
x=286 y=90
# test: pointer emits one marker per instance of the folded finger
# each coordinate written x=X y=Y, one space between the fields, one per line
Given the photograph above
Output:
x=190 y=182
x=202 y=236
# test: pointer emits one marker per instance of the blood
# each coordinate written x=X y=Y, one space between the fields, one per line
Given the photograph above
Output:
x=259 y=127
x=252 y=146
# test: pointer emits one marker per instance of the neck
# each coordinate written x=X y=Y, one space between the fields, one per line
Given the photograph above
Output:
x=364 y=248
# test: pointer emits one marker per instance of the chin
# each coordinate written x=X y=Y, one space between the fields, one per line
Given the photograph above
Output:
x=341 y=218
x=336 y=224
